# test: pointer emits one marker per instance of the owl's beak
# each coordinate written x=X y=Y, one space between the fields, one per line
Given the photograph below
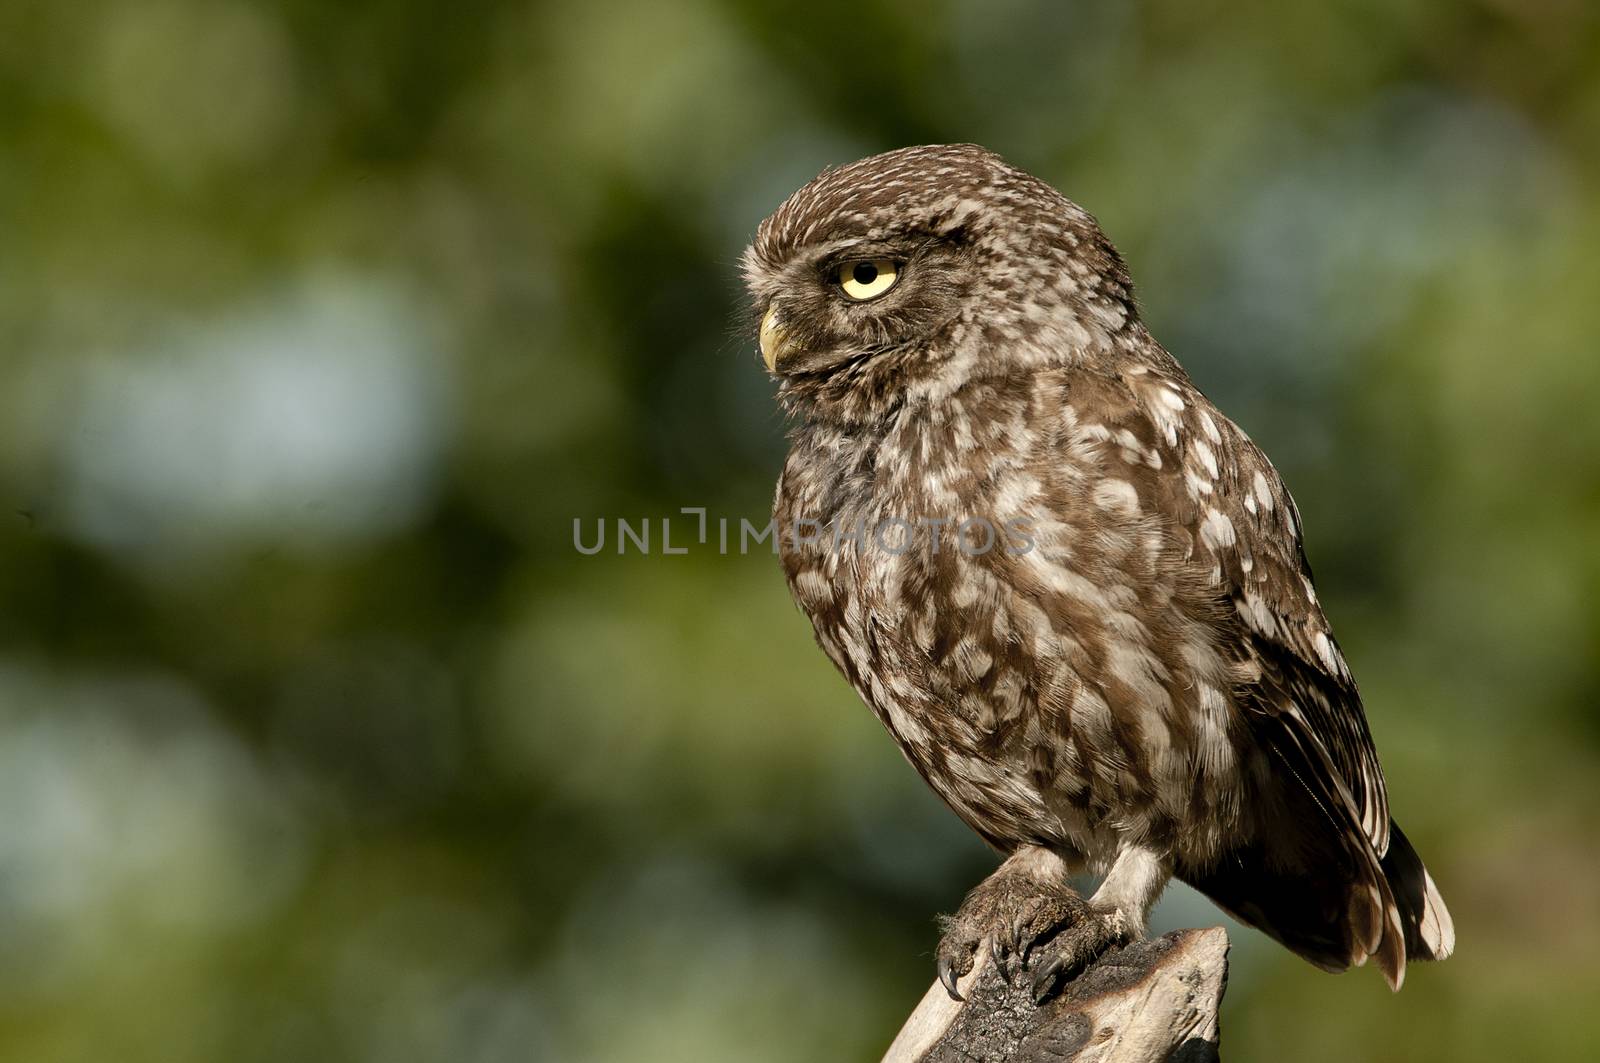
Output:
x=774 y=339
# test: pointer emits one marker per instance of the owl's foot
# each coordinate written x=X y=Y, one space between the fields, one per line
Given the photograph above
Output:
x=1019 y=906
x=1076 y=947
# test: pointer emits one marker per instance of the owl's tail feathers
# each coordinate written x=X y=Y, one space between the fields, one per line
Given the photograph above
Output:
x=1336 y=913
x=1313 y=881
x=1429 y=932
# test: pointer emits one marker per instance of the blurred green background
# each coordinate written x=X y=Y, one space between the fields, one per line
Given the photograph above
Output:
x=321 y=323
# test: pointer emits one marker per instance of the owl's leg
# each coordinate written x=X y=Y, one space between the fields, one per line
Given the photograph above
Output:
x=1027 y=898
x=1115 y=915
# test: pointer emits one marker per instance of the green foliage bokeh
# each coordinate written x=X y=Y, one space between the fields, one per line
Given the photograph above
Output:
x=321 y=324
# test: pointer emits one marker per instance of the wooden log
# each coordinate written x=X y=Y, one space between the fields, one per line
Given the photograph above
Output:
x=1149 y=1002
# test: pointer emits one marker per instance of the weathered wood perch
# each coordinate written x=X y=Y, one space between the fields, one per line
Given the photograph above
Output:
x=1151 y=1002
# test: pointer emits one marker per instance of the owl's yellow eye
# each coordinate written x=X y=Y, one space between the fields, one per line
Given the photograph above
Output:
x=868 y=278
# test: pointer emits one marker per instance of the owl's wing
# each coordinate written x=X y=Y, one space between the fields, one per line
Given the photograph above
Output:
x=1327 y=876
x=1221 y=496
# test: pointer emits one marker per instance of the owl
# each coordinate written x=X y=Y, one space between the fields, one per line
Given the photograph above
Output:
x=1070 y=588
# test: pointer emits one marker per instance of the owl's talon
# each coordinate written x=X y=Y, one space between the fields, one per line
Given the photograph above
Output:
x=1021 y=940
x=1075 y=948
x=1044 y=979
x=949 y=975
x=1015 y=909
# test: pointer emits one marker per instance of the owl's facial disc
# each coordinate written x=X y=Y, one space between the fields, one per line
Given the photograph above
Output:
x=847 y=285
x=840 y=304
x=902 y=277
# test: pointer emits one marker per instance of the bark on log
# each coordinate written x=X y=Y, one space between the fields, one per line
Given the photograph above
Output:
x=1150 y=1002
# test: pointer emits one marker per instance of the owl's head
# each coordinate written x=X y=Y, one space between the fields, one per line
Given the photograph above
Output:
x=907 y=275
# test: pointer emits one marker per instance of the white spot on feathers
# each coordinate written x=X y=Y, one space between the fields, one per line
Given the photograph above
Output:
x=1216 y=752
x=1327 y=654
x=1257 y=614
x=1263 y=491
x=1216 y=531
x=813 y=586
x=1117 y=495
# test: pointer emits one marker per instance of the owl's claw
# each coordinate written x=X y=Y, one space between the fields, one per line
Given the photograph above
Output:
x=1074 y=948
x=949 y=974
x=1046 y=979
x=1014 y=911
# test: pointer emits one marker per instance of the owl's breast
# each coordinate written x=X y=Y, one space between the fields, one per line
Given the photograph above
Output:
x=1049 y=681
x=896 y=571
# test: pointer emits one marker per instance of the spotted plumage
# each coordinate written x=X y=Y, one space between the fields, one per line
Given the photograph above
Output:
x=1135 y=677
